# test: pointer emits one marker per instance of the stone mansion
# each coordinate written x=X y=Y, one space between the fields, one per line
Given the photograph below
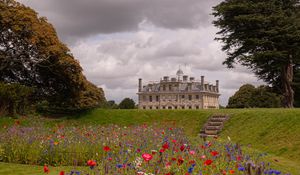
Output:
x=181 y=92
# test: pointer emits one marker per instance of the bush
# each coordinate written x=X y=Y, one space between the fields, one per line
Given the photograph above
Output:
x=248 y=96
x=14 y=99
x=127 y=103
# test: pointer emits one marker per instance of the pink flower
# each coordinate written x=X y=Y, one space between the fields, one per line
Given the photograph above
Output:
x=192 y=152
x=203 y=157
x=147 y=157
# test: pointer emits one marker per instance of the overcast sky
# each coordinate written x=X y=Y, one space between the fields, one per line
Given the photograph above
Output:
x=119 y=41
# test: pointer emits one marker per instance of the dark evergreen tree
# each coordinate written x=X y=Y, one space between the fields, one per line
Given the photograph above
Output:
x=263 y=36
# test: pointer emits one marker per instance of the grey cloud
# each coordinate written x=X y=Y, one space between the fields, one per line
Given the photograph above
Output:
x=77 y=18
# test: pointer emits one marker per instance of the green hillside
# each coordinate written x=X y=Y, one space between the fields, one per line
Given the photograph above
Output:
x=275 y=131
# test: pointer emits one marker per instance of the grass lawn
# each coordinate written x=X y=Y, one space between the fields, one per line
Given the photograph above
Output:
x=275 y=131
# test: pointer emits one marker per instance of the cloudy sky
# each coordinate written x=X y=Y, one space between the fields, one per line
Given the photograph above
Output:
x=119 y=41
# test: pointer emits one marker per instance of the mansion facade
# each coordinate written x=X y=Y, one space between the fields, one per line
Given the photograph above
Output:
x=182 y=92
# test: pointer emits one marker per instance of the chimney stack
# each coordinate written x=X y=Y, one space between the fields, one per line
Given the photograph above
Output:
x=217 y=85
x=140 y=85
x=202 y=82
x=185 y=78
x=166 y=78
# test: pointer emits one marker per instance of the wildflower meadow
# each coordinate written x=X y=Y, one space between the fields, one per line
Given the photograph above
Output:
x=138 y=150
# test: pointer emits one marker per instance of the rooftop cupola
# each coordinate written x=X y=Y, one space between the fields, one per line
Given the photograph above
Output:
x=179 y=74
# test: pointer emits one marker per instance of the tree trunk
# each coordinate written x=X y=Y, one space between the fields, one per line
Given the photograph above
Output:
x=287 y=79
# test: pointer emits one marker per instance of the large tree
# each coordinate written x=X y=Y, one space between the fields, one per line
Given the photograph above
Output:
x=263 y=36
x=32 y=55
x=248 y=96
x=127 y=103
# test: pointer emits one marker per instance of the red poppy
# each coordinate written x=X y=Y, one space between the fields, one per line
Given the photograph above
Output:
x=208 y=162
x=46 y=169
x=62 y=173
x=147 y=157
x=91 y=163
x=182 y=147
x=231 y=171
x=180 y=161
x=166 y=146
x=173 y=159
x=192 y=162
x=174 y=141
x=162 y=150
x=106 y=148
x=214 y=153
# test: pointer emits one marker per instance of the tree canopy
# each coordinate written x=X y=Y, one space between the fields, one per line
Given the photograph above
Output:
x=250 y=97
x=31 y=54
x=263 y=36
x=127 y=103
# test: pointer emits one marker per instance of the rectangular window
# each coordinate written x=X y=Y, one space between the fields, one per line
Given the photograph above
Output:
x=164 y=87
x=157 y=98
x=170 y=87
x=175 y=107
x=144 y=107
x=182 y=96
x=197 y=107
x=164 y=107
x=150 y=107
x=150 y=98
x=182 y=107
x=190 y=97
x=156 y=107
x=190 y=107
x=197 y=97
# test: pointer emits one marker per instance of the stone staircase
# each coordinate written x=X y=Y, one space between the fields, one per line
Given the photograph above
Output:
x=214 y=125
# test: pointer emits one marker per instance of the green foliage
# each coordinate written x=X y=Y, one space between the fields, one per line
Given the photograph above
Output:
x=127 y=103
x=31 y=54
x=14 y=99
x=250 y=97
x=111 y=104
x=263 y=36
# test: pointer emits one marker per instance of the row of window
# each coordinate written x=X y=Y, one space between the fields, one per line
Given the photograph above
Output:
x=157 y=98
x=170 y=107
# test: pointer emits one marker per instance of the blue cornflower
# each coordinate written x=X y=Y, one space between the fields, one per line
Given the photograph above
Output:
x=241 y=168
x=119 y=165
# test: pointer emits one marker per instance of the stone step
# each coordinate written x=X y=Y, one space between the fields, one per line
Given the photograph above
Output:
x=211 y=132
x=213 y=127
x=208 y=135
x=217 y=119
x=215 y=123
x=219 y=116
